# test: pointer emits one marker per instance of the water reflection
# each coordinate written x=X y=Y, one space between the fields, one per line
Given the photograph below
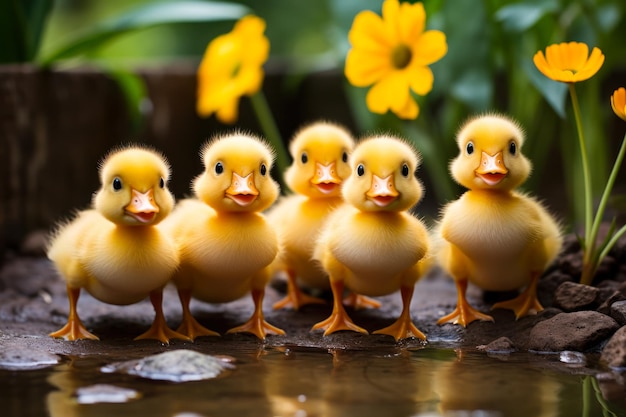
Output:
x=309 y=382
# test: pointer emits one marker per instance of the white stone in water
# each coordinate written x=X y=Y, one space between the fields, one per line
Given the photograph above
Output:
x=103 y=393
x=177 y=366
x=26 y=359
x=572 y=357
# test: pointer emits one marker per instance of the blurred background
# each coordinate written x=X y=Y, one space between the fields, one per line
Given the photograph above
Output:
x=60 y=113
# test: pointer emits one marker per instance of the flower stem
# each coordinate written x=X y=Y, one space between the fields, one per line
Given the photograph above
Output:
x=603 y=202
x=589 y=237
x=272 y=134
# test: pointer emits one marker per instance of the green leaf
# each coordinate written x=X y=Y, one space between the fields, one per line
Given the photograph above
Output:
x=145 y=17
x=21 y=26
x=36 y=13
x=475 y=89
x=520 y=17
x=554 y=92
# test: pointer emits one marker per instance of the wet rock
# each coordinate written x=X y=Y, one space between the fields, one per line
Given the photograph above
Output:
x=177 y=366
x=577 y=331
x=571 y=264
x=546 y=287
x=103 y=393
x=607 y=269
x=502 y=345
x=571 y=244
x=614 y=353
x=26 y=359
x=572 y=357
x=605 y=307
x=571 y=296
x=618 y=312
x=607 y=288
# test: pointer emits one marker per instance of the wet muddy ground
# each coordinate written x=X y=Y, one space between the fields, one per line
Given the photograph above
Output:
x=33 y=303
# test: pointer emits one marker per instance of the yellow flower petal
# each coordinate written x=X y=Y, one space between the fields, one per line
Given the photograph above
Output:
x=593 y=65
x=368 y=33
x=362 y=70
x=386 y=92
x=411 y=22
x=569 y=62
x=232 y=67
x=429 y=48
x=392 y=52
x=409 y=110
x=421 y=80
x=618 y=103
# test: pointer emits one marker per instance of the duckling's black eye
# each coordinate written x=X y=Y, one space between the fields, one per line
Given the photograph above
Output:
x=405 y=170
x=304 y=158
x=162 y=183
x=117 y=184
x=360 y=170
x=469 y=148
x=219 y=168
x=512 y=148
x=344 y=157
x=263 y=169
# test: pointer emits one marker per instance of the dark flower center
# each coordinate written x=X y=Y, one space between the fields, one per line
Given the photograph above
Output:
x=401 y=56
x=235 y=70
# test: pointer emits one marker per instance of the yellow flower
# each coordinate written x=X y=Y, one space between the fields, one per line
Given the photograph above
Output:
x=392 y=53
x=618 y=102
x=232 y=66
x=569 y=62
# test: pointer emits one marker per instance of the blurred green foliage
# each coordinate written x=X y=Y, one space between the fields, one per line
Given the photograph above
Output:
x=488 y=66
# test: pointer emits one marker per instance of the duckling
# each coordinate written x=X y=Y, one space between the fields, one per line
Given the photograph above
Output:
x=226 y=245
x=493 y=236
x=114 y=250
x=371 y=245
x=320 y=165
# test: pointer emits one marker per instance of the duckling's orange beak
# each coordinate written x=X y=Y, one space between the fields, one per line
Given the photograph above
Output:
x=491 y=169
x=142 y=206
x=242 y=189
x=382 y=191
x=325 y=178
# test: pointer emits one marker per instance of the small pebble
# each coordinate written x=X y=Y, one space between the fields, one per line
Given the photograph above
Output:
x=572 y=357
x=177 y=366
x=103 y=393
x=26 y=359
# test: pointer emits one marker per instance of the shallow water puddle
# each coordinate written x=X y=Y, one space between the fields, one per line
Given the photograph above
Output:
x=302 y=382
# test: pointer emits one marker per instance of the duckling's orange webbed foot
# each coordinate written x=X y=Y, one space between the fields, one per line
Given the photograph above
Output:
x=295 y=297
x=74 y=329
x=338 y=319
x=192 y=329
x=189 y=326
x=403 y=328
x=159 y=329
x=358 y=301
x=257 y=324
x=336 y=322
x=524 y=304
x=464 y=313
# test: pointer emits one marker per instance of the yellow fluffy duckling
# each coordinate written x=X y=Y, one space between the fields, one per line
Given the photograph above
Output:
x=493 y=236
x=114 y=251
x=226 y=245
x=320 y=165
x=372 y=245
